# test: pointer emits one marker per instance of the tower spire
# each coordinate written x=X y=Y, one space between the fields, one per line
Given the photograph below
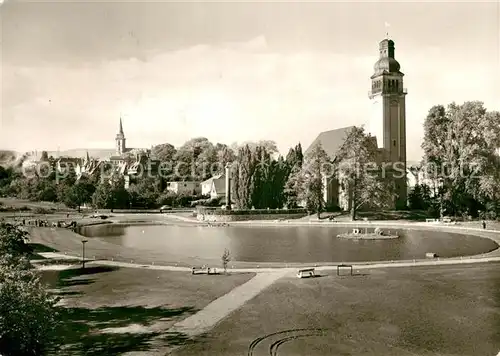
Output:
x=121 y=126
x=120 y=140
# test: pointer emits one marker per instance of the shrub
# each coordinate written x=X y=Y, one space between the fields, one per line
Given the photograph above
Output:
x=39 y=210
x=27 y=313
x=27 y=310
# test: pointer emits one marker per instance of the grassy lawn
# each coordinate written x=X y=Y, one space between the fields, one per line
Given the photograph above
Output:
x=395 y=312
x=144 y=302
x=21 y=204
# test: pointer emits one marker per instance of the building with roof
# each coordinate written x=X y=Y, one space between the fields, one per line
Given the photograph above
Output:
x=207 y=185
x=218 y=188
x=387 y=126
x=186 y=187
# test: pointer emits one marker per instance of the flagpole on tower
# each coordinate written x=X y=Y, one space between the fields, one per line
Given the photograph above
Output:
x=387 y=25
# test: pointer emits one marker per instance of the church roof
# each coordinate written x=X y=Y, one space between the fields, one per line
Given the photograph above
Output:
x=331 y=141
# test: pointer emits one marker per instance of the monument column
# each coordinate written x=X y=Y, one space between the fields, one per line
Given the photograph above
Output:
x=228 y=186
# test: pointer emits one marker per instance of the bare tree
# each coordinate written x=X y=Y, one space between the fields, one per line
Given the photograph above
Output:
x=226 y=257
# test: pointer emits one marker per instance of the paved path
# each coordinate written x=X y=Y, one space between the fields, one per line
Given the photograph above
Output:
x=220 y=308
x=415 y=263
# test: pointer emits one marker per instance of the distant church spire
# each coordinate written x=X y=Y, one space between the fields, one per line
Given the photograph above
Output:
x=121 y=126
x=120 y=140
x=87 y=157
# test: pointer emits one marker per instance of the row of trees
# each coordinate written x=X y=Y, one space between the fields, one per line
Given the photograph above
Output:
x=260 y=178
x=460 y=145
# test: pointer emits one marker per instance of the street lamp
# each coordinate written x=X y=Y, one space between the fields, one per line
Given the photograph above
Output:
x=83 y=252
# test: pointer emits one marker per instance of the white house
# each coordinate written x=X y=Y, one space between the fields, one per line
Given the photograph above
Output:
x=184 y=187
x=218 y=189
x=206 y=186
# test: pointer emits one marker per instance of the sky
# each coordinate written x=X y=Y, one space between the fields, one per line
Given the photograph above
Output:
x=230 y=71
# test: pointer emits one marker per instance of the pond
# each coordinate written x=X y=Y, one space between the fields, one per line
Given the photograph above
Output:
x=301 y=244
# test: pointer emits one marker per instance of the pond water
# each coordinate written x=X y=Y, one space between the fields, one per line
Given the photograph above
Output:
x=286 y=243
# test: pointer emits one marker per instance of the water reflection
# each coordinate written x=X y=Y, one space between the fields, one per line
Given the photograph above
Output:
x=287 y=244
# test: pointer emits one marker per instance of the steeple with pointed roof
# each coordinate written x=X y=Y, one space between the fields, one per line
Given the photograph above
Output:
x=120 y=140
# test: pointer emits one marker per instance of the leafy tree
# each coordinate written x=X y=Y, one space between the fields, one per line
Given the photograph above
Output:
x=194 y=159
x=276 y=187
x=313 y=173
x=47 y=191
x=359 y=175
x=13 y=243
x=145 y=192
x=45 y=156
x=4 y=174
x=268 y=145
x=225 y=155
x=27 y=313
x=79 y=193
x=119 y=195
x=164 y=152
x=459 y=146
x=103 y=196
x=176 y=200
x=295 y=156
x=489 y=184
x=420 y=197
x=64 y=186
x=260 y=179
x=167 y=198
x=293 y=187
x=245 y=171
x=292 y=176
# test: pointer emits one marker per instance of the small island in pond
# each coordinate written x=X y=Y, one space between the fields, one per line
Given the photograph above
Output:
x=378 y=234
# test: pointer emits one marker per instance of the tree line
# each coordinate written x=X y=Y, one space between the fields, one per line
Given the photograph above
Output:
x=459 y=174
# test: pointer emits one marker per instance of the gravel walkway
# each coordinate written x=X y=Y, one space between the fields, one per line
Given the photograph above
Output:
x=205 y=319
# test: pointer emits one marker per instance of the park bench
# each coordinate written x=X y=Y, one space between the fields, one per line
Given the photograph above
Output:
x=203 y=270
x=343 y=266
x=306 y=271
x=431 y=220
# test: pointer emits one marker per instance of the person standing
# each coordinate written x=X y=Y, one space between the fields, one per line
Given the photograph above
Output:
x=484 y=224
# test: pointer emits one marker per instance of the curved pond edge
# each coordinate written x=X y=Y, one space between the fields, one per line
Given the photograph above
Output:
x=489 y=256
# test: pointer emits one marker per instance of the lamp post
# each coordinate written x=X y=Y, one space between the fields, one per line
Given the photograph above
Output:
x=83 y=252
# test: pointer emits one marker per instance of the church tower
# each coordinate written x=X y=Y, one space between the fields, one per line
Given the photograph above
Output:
x=120 y=140
x=388 y=121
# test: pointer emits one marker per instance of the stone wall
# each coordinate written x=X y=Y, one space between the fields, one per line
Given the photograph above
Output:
x=228 y=218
